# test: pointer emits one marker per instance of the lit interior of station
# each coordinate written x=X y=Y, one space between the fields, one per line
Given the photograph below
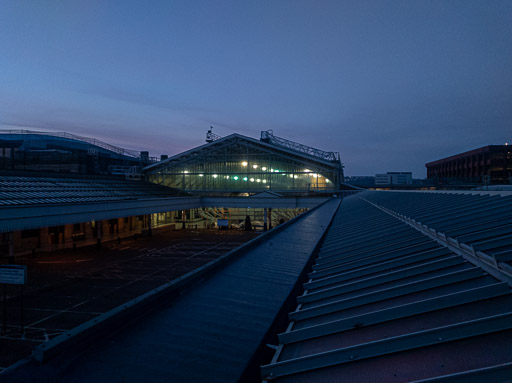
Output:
x=241 y=165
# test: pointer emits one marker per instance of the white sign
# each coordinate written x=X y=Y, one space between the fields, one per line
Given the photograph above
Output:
x=13 y=274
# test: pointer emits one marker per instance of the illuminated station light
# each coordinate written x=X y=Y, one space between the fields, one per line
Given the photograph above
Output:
x=255 y=166
x=245 y=178
x=235 y=178
x=244 y=163
x=264 y=168
x=215 y=176
x=252 y=180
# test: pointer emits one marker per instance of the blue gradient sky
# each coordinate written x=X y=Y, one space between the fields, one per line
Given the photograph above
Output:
x=389 y=84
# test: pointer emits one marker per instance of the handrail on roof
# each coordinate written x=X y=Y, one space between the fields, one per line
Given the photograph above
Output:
x=268 y=137
x=93 y=141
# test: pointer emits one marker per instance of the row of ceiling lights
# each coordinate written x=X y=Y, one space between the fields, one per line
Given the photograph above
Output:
x=236 y=178
x=255 y=166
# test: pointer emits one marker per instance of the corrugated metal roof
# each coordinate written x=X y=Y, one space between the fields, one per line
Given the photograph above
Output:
x=406 y=287
x=211 y=333
x=16 y=190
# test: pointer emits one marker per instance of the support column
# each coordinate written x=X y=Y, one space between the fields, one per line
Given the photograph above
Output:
x=269 y=218
x=11 y=247
x=265 y=219
x=98 y=232
x=149 y=226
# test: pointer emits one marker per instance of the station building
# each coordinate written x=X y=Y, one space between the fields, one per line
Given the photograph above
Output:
x=240 y=165
x=270 y=180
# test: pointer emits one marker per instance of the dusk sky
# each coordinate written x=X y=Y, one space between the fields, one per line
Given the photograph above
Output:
x=391 y=85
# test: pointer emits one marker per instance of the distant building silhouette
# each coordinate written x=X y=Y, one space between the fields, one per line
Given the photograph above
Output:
x=66 y=153
x=490 y=164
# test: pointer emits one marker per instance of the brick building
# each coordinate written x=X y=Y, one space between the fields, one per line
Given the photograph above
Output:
x=490 y=164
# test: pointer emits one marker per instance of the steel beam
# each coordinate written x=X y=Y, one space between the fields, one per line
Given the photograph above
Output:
x=376 y=267
x=499 y=373
x=382 y=278
x=397 y=312
x=356 y=261
x=392 y=292
x=419 y=339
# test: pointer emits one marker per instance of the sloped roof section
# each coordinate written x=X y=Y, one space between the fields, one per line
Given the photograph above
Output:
x=234 y=138
x=30 y=190
x=406 y=287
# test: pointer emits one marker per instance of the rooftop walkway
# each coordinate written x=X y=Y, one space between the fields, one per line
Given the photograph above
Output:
x=211 y=333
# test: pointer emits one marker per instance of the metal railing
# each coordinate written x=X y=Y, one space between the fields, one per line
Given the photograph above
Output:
x=92 y=141
x=268 y=136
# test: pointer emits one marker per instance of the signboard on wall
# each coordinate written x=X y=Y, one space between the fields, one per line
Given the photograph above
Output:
x=13 y=274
